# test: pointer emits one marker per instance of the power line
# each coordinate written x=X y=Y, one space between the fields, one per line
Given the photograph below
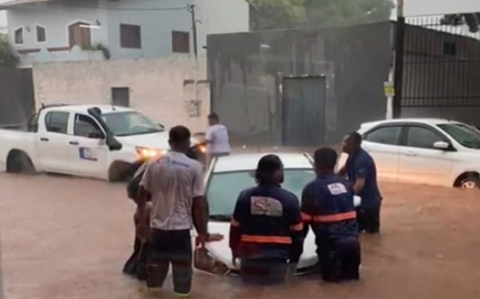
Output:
x=123 y=8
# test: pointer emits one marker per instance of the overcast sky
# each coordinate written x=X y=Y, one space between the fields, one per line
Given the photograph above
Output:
x=412 y=7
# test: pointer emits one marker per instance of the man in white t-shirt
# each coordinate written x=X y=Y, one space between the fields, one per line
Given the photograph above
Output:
x=218 y=143
x=174 y=183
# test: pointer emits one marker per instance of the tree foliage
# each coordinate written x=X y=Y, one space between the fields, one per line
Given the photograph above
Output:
x=273 y=14
x=7 y=58
x=471 y=20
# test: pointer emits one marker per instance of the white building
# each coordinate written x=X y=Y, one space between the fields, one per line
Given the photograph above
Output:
x=79 y=30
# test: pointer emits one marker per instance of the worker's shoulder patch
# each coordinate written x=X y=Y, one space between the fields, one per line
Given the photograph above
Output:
x=337 y=188
x=261 y=205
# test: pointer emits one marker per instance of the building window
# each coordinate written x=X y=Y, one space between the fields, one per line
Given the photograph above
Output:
x=79 y=35
x=41 y=34
x=130 y=36
x=18 y=36
x=121 y=96
x=180 y=42
x=449 y=49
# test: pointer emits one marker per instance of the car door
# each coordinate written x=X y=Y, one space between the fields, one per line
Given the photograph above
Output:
x=52 y=142
x=87 y=149
x=419 y=161
x=382 y=143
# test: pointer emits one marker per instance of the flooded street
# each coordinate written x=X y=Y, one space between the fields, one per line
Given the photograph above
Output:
x=69 y=238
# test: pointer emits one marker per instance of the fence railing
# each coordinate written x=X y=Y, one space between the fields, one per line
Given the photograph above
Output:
x=441 y=63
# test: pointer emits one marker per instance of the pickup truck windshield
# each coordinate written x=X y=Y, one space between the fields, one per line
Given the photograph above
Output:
x=130 y=123
x=463 y=134
x=224 y=188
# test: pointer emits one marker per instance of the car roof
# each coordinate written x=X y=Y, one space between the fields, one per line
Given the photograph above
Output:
x=241 y=162
x=430 y=121
x=434 y=121
x=83 y=108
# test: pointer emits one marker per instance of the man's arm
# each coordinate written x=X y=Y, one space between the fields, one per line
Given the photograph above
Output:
x=235 y=224
x=297 y=230
x=209 y=136
x=343 y=171
x=360 y=168
x=144 y=196
x=307 y=209
x=200 y=205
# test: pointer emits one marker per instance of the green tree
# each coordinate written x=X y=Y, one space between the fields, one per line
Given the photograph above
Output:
x=7 y=58
x=274 y=14
x=346 y=12
x=471 y=20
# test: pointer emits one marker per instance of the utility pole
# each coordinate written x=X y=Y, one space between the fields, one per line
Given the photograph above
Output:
x=191 y=8
x=399 y=59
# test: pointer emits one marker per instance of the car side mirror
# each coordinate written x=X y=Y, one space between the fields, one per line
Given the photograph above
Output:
x=442 y=145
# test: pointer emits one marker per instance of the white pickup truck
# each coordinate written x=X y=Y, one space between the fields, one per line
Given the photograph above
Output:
x=83 y=140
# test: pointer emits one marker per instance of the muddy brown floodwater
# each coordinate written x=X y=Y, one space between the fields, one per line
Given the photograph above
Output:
x=68 y=238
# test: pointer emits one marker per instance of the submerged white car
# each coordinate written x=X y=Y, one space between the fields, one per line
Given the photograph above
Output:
x=423 y=151
x=225 y=179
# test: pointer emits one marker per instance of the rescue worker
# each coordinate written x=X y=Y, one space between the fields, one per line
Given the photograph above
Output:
x=217 y=140
x=175 y=185
x=266 y=227
x=361 y=171
x=328 y=208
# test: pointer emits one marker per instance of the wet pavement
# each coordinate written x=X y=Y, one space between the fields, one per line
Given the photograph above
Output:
x=68 y=238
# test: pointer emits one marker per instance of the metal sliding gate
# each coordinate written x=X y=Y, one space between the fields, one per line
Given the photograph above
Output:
x=303 y=105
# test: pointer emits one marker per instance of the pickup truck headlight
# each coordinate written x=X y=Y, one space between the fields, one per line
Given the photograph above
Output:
x=202 y=148
x=145 y=153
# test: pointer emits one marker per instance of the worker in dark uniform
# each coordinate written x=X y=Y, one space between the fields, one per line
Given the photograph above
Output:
x=266 y=228
x=361 y=171
x=328 y=208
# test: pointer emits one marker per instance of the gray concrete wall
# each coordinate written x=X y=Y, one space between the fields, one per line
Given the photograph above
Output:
x=246 y=70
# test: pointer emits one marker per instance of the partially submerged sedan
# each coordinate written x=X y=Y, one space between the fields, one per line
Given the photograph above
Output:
x=225 y=179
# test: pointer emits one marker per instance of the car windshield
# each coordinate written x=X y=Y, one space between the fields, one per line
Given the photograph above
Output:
x=130 y=123
x=223 y=189
x=463 y=134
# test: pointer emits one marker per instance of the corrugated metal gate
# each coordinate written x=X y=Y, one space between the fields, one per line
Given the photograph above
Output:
x=17 y=101
x=303 y=111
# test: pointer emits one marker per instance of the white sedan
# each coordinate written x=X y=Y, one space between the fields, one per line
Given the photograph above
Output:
x=426 y=151
x=225 y=179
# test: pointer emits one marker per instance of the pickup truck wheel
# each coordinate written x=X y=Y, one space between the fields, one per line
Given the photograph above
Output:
x=19 y=162
x=119 y=172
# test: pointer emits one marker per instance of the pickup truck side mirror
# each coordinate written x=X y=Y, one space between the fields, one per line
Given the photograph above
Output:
x=113 y=143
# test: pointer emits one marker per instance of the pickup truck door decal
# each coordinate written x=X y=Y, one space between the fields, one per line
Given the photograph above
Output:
x=88 y=154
